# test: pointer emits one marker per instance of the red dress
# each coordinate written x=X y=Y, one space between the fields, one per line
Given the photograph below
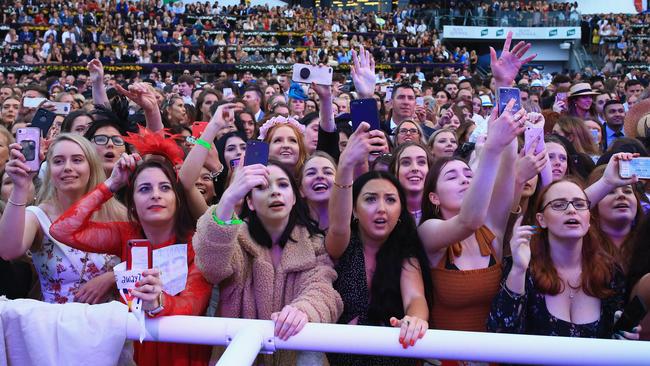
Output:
x=75 y=229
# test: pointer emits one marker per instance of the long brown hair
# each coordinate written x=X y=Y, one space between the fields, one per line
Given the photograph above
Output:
x=429 y=211
x=623 y=253
x=184 y=226
x=597 y=265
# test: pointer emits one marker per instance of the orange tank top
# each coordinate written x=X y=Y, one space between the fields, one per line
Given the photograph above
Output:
x=462 y=299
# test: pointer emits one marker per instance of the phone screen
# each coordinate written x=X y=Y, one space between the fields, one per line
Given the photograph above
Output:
x=364 y=110
x=504 y=97
x=257 y=152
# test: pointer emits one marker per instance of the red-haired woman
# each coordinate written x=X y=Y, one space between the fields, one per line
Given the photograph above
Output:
x=569 y=286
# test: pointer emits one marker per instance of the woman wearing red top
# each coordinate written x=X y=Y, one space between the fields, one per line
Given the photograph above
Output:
x=158 y=212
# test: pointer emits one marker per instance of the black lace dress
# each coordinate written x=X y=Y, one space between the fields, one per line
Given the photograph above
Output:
x=352 y=285
x=528 y=314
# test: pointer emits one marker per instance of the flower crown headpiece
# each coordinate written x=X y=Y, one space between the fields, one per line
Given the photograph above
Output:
x=279 y=120
x=162 y=143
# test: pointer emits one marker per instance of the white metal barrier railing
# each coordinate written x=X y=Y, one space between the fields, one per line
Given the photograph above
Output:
x=246 y=338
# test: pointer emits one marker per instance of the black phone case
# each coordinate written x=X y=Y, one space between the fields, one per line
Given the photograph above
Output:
x=632 y=315
x=364 y=110
x=43 y=119
x=257 y=152
x=504 y=96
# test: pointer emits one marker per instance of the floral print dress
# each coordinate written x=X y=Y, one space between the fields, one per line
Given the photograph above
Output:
x=62 y=269
x=528 y=314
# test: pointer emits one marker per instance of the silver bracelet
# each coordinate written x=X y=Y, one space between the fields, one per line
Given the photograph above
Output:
x=16 y=204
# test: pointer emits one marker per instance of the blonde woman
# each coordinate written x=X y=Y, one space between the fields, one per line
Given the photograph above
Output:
x=65 y=274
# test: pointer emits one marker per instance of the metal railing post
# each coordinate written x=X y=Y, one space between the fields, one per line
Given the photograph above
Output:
x=243 y=348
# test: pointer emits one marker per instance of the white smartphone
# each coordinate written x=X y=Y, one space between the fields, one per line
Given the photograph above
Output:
x=61 y=108
x=419 y=101
x=389 y=93
x=307 y=74
x=32 y=102
x=637 y=166
x=227 y=92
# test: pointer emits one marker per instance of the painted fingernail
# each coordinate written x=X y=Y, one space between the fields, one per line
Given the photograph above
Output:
x=401 y=340
x=404 y=345
x=412 y=343
x=137 y=284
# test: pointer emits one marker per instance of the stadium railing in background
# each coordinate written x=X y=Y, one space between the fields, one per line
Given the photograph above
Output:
x=204 y=68
x=245 y=338
x=438 y=18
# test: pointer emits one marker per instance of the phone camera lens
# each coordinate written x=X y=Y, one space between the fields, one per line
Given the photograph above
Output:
x=304 y=73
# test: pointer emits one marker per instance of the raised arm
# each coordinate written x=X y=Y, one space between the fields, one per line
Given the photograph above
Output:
x=143 y=95
x=528 y=165
x=504 y=188
x=75 y=228
x=18 y=228
x=96 y=71
x=610 y=179
x=438 y=234
x=354 y=155
x=197 y=157
x=506 y=67
x=363 y=73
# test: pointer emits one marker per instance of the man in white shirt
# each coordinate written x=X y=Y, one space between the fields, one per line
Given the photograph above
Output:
x=67 y=34
x=50 y=32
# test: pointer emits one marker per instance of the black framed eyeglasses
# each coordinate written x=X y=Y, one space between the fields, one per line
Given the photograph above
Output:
x=408 y=131
x=562 y=204
x=103 y=140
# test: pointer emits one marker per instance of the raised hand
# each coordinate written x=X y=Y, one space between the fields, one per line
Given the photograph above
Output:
x=360 y=144
x=141 y=94
x=502 y=130
x=323 y=91
x=96 y=70
x=224 y=115
x=529 y=164
x=122 y=171
x=363 y=73
x=520 y=244
x=245 y=179
x=611 y=175
x=289 y=322
x=412 y=328
x=506 y=67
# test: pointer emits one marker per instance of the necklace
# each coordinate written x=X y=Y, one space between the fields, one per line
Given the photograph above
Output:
x=573 y=290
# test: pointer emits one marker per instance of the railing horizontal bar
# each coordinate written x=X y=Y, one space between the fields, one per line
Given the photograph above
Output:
x=383 y=341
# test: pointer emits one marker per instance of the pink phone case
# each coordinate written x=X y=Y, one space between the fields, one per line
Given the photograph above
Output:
x=30 y=139
x=530 y=134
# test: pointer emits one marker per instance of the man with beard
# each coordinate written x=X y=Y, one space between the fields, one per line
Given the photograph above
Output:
x=614 y=118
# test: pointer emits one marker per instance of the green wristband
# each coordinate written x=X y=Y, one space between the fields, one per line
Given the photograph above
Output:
x=203 y=143
x=233 y=221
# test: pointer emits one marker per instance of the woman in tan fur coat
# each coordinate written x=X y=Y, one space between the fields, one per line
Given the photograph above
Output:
x=273 y=265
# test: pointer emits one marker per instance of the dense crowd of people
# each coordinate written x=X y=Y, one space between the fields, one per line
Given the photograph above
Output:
x=619 y=39
x=154 y=32
x=447 y=214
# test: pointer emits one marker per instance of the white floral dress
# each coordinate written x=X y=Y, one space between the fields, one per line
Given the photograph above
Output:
x=62 y=269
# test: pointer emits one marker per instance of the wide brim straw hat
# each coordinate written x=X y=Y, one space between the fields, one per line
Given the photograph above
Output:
x=637 y=120
x=581 y=89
